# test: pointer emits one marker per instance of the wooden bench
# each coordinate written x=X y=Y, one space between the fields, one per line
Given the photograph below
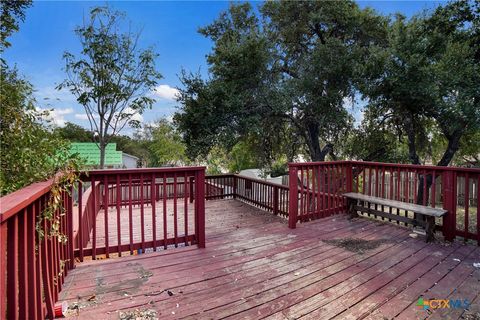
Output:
x=429 y=212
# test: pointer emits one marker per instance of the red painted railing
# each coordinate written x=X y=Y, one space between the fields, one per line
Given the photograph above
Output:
x=33 y=268
x=316 y=191
x=454 y=189
x=262 y=194
x=142 y=209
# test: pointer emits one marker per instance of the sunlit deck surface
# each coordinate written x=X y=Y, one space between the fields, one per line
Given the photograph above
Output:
x=255 y=267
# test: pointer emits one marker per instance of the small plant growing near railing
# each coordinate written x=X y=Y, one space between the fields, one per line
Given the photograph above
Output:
x=63 y=182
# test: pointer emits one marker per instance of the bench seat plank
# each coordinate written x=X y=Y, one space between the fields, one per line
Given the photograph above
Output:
x=428 y=211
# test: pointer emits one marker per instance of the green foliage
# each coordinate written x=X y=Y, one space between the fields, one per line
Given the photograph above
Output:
x=281 y=80
x=166 y=146
x=242 y=156
x=411 y=85
x=29 y=150
x=11 y=12
x=279 y=168
x=73 y=133
x=111 y=78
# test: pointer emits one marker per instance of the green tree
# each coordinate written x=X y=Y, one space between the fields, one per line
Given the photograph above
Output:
x=291 y=72
x=29 y=152
x=11 y=12
x=111 y=78
x=416 y=89
x=166 y=146
x=74 y=133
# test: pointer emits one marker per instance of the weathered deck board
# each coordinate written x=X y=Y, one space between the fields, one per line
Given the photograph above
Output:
x=255 y=267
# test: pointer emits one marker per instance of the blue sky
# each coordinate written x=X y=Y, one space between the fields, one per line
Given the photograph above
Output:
x=170 y=26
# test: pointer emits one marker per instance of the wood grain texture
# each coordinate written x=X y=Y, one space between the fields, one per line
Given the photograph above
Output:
x=255 y=267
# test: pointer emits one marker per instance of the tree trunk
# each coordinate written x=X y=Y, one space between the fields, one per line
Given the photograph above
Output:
x=102 y=146
x=452 y=148
x=409 y=125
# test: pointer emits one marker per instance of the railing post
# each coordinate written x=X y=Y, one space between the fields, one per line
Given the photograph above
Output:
x=449 y=186
x=70 y=227
x=200 y=207
x=3 y=269
x=293 y=197
x=275 y=200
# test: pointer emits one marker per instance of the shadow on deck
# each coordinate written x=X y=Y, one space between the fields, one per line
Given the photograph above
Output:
x=255 y=267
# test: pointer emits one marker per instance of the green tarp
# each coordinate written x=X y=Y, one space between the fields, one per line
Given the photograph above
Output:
x=91 y=153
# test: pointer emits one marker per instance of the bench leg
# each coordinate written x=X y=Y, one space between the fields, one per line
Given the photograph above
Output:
x=351 y=211
x=430 y=228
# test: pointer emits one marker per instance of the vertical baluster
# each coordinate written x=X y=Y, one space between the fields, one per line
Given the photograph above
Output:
x=164 y=211
x=46 y=271
x=175 y=216
x=399 y=176
x=94 y=220
x=301 y=194
x=118 y=203
x=105 y=208
x=466 y=203
x=142 y=213
x=319 y=199
x=308 y=195
x=153 y=195
x=54 y=259
x=328 y=168
x=185 y=207
x=31 y=263
x=130 y=212
x=364 y=182
x=433 y=192
x=80 y=220
x=391 y=187
x=22 y=263
x=40 y=313
x=406 y=189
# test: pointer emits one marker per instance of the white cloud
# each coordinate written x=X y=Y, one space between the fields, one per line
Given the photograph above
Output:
x=81 y=116
x=56 y=116
x=166 y=92
x=133 y=114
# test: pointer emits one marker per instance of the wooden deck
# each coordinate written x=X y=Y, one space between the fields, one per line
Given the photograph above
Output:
x=255 y=267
